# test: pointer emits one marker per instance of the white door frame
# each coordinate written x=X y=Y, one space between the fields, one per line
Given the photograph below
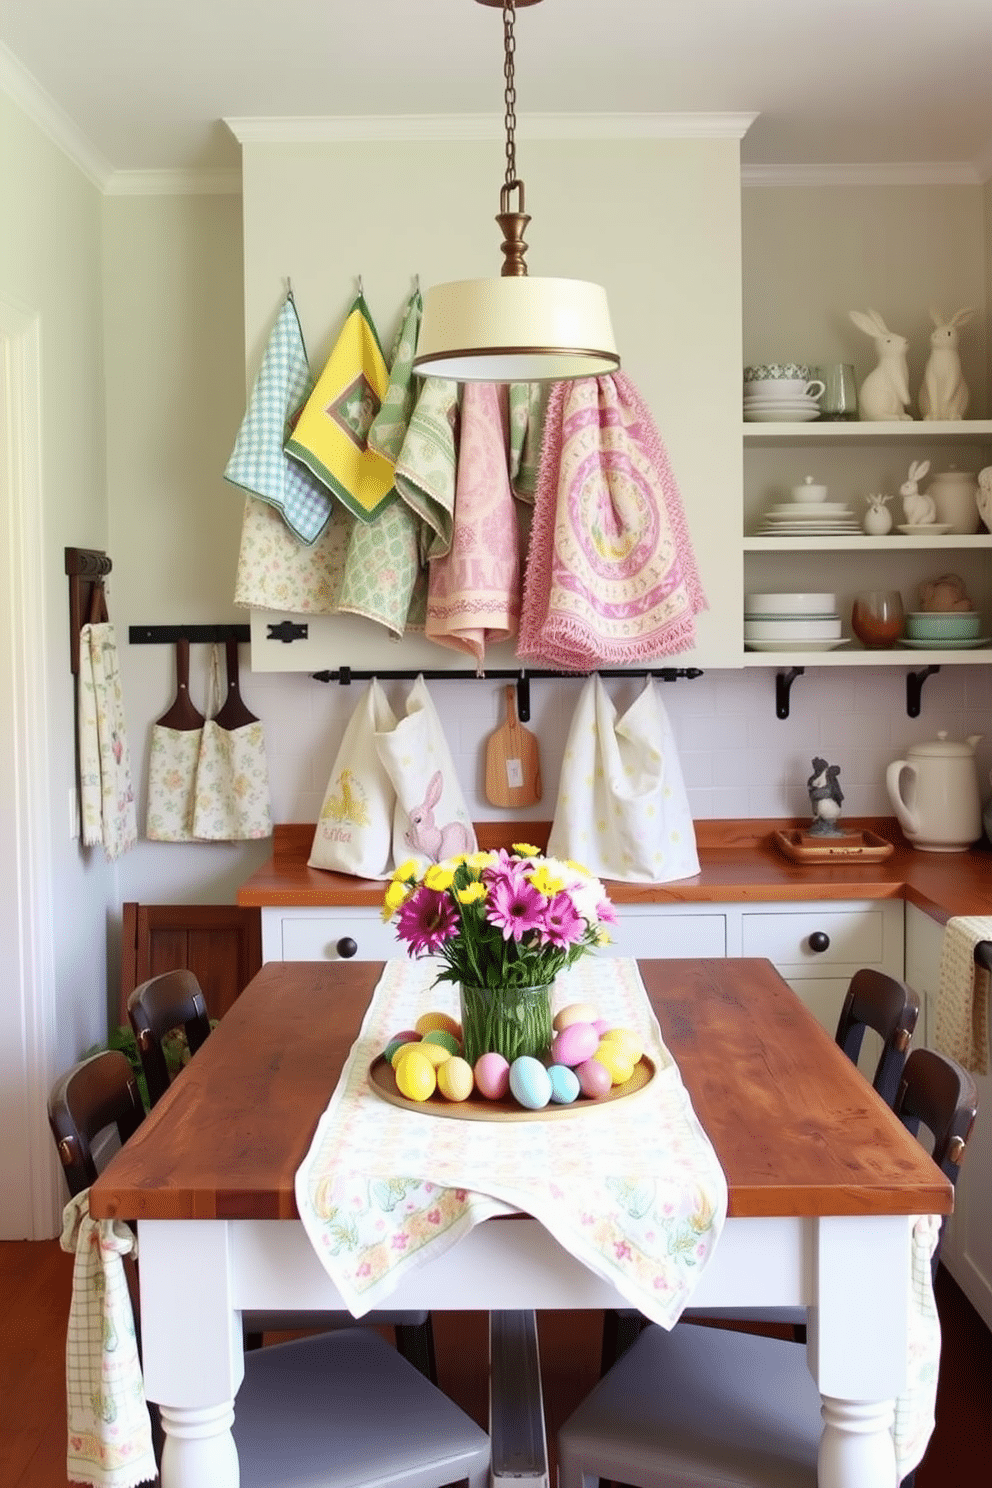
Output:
x=29 y=1189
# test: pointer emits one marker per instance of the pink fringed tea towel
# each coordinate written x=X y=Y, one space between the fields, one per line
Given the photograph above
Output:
x=473 y=594
x=963 y=994
x=611 y=576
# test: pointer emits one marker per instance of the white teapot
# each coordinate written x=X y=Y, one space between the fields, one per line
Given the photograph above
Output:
x=934 y=792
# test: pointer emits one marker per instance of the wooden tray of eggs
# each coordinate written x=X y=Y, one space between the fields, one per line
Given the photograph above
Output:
x=528 y=1089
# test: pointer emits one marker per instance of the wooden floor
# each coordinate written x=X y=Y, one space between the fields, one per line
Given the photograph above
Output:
x=35 y=1281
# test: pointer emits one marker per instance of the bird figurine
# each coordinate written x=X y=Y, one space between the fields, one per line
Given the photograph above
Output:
x=825 y=798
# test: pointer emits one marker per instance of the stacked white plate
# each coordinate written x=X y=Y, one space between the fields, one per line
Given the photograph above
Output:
x=792 y=622
x=779 y=401
x=809 y=519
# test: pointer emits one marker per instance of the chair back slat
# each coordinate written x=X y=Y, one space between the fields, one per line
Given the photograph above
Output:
x=173 y=1000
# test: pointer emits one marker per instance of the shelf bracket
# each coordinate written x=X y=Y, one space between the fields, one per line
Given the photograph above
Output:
x=783 y=687
x=914 y=689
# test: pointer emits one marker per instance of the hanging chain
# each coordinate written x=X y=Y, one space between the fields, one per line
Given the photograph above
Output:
x=509 y=91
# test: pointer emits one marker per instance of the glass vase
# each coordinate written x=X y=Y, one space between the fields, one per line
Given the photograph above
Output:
x=505 y=1020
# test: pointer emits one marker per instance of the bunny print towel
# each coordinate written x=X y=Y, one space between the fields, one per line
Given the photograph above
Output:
x=431 y=821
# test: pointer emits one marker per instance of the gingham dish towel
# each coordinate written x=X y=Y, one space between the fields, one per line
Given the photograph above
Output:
x=110 y=1438
x=963 y=993
x=258 y=463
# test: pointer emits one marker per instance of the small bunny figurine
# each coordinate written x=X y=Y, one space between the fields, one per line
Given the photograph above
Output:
x=920 y=510
x=984 y=497
x=944 y=393
x=884 y=393
x=877 y=520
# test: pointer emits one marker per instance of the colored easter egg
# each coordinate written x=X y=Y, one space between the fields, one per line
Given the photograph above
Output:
x=594 y=1079
x=401 y=1047
x=628 y=1040
x=492 y=1076
x=530 y=1084
x=613 y=1056
x=455 y=1079
x=575 y=1012
x=392 y=1047
x=564 y=1084
x=576 y=1043
x=428 y=1022
x=415 y=1077
x=435 y=1054
x=445 y=1039
x=601 y=1025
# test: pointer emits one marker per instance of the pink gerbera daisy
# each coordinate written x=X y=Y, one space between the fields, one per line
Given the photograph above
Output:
x=426 y=921
x=562 y=925
x=514 y=906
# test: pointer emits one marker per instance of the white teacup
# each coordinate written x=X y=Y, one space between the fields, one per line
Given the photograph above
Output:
x=785 y=389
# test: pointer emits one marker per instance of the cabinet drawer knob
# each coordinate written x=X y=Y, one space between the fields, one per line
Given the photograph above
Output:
x=819 y=941
x=346 y=947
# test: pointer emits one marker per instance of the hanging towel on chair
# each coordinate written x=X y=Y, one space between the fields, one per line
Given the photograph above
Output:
x=611 y=577
x=473 y=591
x=259 y=463
x=331 y=434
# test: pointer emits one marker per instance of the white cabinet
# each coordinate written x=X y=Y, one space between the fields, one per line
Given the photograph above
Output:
x=967 y=1250
x=817 y=946
x=853 y=459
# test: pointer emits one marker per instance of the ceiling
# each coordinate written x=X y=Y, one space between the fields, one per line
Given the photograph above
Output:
x=846 y=82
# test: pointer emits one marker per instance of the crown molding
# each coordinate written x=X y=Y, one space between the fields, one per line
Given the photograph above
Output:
x=897 y=173
x=375 y=128
x=24 y=89
x=214 y=182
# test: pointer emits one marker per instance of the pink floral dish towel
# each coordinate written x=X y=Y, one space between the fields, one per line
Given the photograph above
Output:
x=611 y=576
x=473 y=594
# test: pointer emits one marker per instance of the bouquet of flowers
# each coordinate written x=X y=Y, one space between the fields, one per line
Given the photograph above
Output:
x=502 y=923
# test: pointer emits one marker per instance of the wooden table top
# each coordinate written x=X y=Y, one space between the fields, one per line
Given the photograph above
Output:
x=796 y=1127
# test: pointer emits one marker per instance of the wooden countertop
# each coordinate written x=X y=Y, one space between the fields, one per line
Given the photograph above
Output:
x=739 y=862
x=796 y=1128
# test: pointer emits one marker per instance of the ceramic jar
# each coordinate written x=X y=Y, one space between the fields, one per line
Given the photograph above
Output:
x=934 y=792
x=954 y=494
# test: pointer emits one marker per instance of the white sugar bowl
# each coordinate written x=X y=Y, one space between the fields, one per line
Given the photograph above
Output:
x=810 y=492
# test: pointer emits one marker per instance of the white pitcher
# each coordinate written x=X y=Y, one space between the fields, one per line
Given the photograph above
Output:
x=934 y=792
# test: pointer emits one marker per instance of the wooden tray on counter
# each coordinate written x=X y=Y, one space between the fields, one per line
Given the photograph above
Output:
x=478 y=1108
x=803 y=847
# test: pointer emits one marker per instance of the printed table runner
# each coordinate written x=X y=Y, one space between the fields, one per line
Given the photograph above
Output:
x=633 y=1189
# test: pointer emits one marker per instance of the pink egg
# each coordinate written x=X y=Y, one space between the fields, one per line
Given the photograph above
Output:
x=576 y=1043
x=594 y=1079
x=492 y=1076
x=602 y=1025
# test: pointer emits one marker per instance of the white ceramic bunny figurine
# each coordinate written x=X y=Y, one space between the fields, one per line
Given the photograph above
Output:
x=944 y=393
x=920 y=510
x=884 y=394
x=984 y=497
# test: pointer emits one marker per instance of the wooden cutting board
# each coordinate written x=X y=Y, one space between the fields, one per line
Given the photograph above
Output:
x=513 y=766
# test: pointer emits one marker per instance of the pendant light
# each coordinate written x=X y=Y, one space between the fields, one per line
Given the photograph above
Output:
x=515 y=329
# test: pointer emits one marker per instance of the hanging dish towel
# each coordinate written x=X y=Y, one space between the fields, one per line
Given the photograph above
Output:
x=175 y=749
x=431 y=821
x=107 y=810
x=355 y=828
x=110 y=1438
x=473 y=591
x=383 y=559
x=331 y=434
x=528 y=406
x=622 y=809
x=963 y=993
x=231 y=798
x=425 y=469
x=275 y=572
x=259 y=463
x=611 y=577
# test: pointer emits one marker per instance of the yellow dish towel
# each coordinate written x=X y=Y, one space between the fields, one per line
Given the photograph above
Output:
x=110 y=1438
x=331 y=434
x=962 y=1029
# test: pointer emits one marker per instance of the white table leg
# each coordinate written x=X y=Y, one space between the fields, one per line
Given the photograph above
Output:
x=199 y=1449
x=856 y=1449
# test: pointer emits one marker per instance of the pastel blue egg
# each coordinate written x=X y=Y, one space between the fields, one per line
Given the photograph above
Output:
x=530 y=1084
x=564 y=1084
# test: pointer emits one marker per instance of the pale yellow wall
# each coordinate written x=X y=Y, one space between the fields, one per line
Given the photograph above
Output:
x=50 y=269
x=811 y=254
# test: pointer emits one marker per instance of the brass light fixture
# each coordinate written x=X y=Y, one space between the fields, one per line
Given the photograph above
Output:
x=514 y=328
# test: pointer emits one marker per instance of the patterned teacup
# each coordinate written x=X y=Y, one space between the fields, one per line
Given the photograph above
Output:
x=777 y=372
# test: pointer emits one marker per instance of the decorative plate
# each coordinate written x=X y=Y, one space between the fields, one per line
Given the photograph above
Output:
x=478 y=1108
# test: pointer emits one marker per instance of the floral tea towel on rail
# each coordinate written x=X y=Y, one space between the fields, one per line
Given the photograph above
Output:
x=622 y=808
x=611 y=577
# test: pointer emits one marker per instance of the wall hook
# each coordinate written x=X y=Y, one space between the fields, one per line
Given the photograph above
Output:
x=783 y=687
x=914 y=689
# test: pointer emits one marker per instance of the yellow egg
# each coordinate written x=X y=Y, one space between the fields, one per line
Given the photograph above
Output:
x=455 y=1079
x=627 y=1039
x=435 y=1054
x=415 y=1077
x=576 y=1012
x=427 y=1022
x=403 y=1048
x=614 y=1059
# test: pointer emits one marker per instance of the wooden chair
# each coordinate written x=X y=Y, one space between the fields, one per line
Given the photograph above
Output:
x=341 y=1409
x=875 y=1002
x=173 y=1000
x=701 y=1405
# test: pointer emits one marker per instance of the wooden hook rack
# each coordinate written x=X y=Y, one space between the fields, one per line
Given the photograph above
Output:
x=87 y=568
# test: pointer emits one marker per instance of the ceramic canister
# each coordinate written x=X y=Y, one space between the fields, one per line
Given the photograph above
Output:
x=954 y=493
x=934 y=791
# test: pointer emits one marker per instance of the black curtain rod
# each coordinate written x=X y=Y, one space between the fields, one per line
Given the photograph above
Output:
x=161 y=635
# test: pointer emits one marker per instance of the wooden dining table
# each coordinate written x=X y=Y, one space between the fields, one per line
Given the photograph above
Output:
x=823 y=1182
